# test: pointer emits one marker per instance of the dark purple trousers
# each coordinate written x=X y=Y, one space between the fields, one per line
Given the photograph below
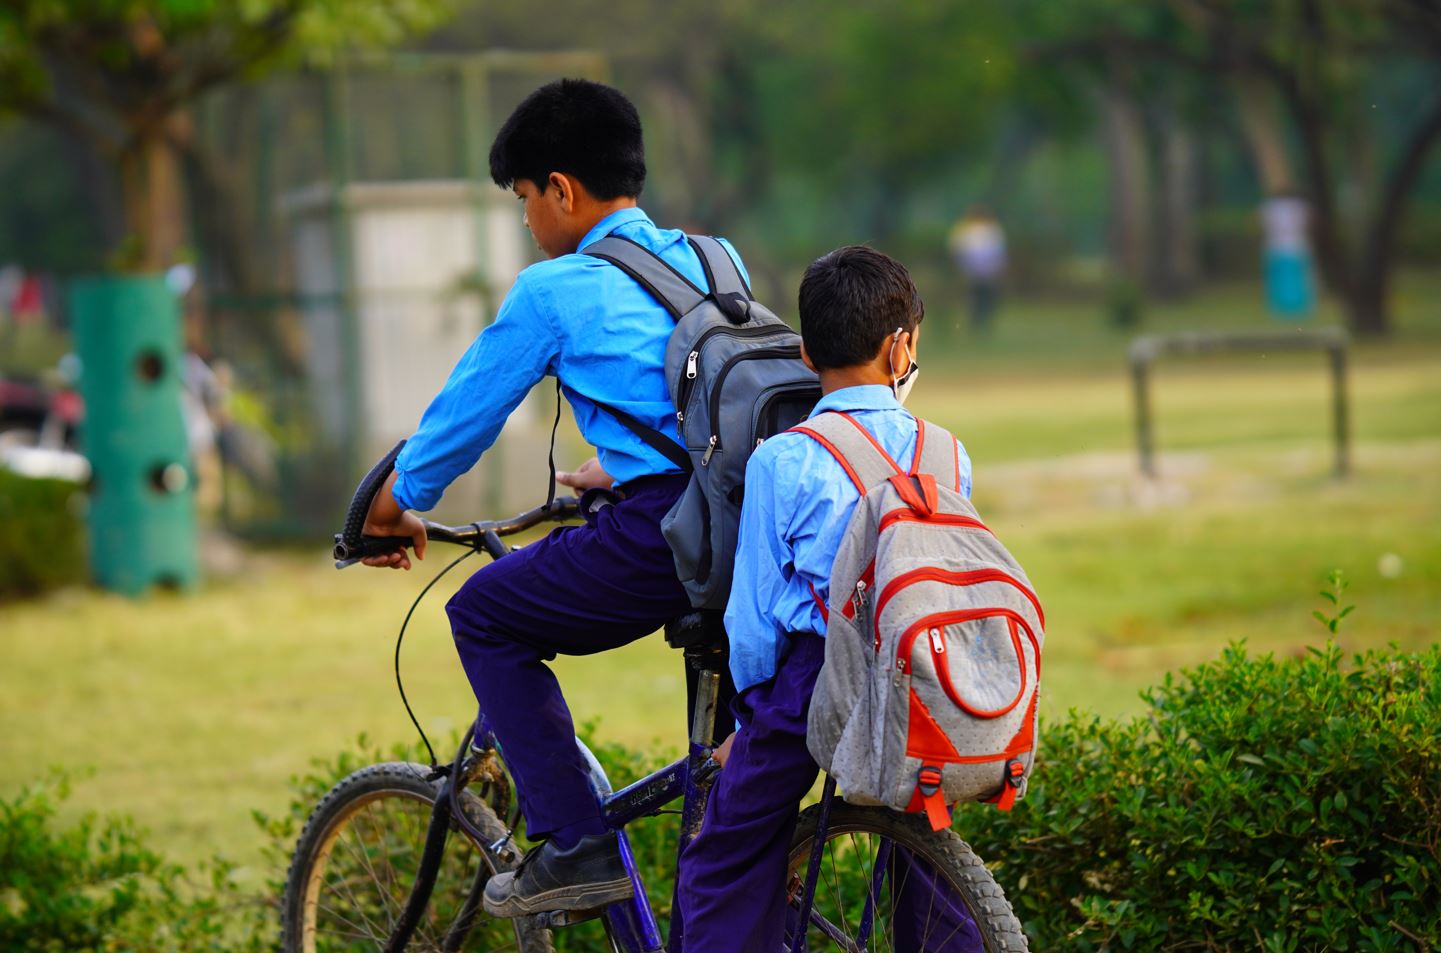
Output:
x=580 y=590
x=731 y=888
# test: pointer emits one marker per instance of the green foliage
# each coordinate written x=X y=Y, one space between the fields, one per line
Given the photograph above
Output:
x=1336 y=585
x=96 y=886
x=1260 y=804
x=42 y=544
x=1125 y=305
x=171 y=50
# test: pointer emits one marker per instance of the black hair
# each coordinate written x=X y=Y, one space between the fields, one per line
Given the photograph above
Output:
x=578 y=127
x=851 y=300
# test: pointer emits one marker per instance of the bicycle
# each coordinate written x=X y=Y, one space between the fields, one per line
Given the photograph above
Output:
x=375 y=867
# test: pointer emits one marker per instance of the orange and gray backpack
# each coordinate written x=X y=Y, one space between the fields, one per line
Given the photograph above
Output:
x=933 y=638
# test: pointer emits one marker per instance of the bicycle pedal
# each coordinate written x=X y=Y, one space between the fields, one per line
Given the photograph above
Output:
x=554 y=919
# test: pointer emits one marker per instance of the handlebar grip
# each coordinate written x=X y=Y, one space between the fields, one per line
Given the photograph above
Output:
x=349 y=544
x=368 y=546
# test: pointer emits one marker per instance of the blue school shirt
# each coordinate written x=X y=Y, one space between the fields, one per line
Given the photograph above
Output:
x=577 y=318
x=798 y=502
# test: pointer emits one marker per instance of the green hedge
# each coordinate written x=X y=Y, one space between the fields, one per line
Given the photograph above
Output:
x=94 y=885
x=1259 y=804
x=42 y=542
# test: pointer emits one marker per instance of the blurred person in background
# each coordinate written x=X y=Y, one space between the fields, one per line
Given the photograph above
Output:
x=978 y=247
x=1285 y=219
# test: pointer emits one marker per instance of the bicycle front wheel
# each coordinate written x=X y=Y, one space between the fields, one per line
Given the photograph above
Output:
x=357 y=859
x=888 y=882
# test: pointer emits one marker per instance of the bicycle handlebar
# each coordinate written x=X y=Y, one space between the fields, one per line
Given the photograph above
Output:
x=351 y=545
x=486 y=534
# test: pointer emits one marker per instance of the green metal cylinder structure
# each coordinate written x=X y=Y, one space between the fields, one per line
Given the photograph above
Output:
x=142 y=499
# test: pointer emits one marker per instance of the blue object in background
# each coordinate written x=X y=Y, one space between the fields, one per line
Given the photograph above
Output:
x=1289 y=291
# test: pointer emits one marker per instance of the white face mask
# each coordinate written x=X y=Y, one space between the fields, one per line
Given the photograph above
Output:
x=901 y=386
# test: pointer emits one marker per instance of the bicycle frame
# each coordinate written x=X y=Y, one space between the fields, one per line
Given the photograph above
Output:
x=631 y=924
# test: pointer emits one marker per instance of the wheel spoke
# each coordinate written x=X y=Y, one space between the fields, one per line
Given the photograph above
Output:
x=920 y=889
x=359 y=851
x=357 y=861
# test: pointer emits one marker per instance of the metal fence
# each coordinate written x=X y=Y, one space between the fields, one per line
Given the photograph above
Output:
x=352 y=246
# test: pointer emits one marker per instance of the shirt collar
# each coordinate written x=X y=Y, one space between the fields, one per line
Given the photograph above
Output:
x=860 y=397
x=611 y=222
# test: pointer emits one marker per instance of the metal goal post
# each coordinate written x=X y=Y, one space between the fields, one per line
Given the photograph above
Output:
x=1145 y=350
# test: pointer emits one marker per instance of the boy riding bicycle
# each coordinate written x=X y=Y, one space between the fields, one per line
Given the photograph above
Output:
x=860 y=322
x=573 y=154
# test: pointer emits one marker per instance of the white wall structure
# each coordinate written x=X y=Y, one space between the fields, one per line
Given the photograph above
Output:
x=428 y=262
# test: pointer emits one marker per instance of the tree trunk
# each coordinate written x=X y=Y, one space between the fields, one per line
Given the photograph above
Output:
x=1265 y=136
x=1333 y=255
x=1178 y=267
x=1368 y=305
x=1128 y=234
x=152 y=196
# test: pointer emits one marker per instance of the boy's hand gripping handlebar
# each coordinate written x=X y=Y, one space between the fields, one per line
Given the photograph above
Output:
x=351 y=545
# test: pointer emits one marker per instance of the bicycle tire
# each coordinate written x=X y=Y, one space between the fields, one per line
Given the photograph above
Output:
x=859 y=831
x=355 y=862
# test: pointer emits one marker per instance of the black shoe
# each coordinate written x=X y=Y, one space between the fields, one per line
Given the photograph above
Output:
x=588 y=875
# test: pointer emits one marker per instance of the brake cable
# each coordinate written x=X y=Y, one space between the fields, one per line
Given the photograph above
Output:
x=434 y=764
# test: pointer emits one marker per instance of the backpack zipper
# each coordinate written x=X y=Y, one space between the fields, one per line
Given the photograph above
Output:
x=692 y=361
x=969 y=577
x=763 y=353
x=931 y=624
x=908 y=515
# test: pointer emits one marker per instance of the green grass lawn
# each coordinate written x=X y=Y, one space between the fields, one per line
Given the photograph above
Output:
x=187 y=712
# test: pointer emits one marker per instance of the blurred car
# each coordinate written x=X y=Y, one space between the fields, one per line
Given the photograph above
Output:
x=39 y=428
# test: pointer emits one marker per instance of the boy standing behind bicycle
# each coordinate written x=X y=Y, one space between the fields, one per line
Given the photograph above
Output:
x=573 y=154
x=860 y=319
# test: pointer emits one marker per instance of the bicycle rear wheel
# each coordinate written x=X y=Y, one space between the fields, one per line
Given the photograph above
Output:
x=357 y=858
x=889 y=883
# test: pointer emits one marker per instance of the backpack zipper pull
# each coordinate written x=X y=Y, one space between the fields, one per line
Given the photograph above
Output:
x=690 y=364
x=937 y=643
x=710 y=449
x=860 y=595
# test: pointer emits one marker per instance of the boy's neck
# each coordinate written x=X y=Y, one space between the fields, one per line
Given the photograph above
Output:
x=838 y=378
x=591 y=212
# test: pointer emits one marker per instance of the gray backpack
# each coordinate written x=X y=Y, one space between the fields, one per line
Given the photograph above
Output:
x=735 y=377
x=933 y=638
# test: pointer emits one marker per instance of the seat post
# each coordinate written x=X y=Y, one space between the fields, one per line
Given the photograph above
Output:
x=702 y=637
x=702 y=729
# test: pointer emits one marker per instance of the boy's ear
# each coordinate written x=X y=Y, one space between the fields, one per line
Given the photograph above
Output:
x=806 y=359
x=900 y=351
x=564 y=190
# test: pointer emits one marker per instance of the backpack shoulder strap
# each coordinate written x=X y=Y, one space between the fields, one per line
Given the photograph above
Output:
x=672 y=290
x=864 y=460
x=728 y=287
x=651 y=437
x=937 y=453
x=720 y=268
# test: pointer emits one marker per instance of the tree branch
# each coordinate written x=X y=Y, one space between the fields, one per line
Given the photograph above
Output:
x=252 y=47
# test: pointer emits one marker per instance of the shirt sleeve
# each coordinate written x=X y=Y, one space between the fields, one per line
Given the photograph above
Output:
x=506 y=360
x=764 y=563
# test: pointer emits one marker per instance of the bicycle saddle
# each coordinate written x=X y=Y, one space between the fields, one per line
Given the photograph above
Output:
x=699 y=630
